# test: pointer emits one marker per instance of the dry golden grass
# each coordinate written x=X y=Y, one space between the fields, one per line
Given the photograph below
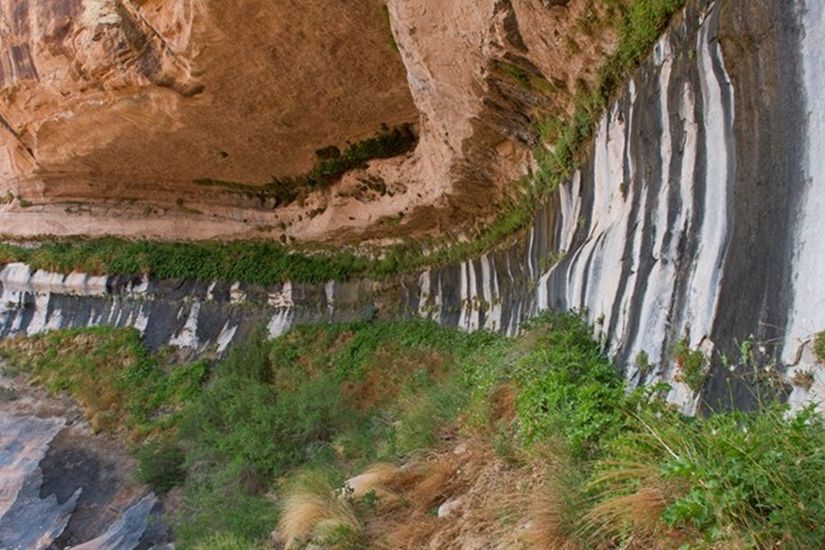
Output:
x=314 y=509
x=638 y=513
x=546 y=528
x=499 y=504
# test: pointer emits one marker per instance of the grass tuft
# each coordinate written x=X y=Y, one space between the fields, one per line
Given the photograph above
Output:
x=315 y=510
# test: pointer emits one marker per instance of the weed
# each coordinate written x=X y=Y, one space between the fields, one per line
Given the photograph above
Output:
x=567 y=386
x=804 y=379
x=819 y=346
x=313 y=510
x=643 y=363
x=691 y=365
x=110 y=373
x=729 y=479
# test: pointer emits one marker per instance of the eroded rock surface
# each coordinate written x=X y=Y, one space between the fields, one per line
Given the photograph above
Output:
x=111 y=111
x=62 y=486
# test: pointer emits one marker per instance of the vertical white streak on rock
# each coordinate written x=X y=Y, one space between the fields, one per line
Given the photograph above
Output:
x=495 y=303
x=141 y=321
x=486 y=289
x=226 y=336
x=570 y=208
x=658 y=289
x=41 y=310
x=424 y=281
x=472 y=304
x=187 y=337
x=706 y=276
x=530 y=268
x=329 y=292
x=706 y=271
x=280 y=323
x=14 y=278
x=611 y=210
x=807 y=315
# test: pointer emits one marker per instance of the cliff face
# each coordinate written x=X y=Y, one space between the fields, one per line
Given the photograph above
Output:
x=695 y=222
x=106 y=103
x=114 y=113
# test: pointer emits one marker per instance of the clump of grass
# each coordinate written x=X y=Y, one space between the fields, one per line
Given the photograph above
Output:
x=730 y=480
x=314 y=510
x=161 y=465
x=819 y=346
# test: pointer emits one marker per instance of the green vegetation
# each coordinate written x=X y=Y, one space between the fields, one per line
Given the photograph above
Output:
x=731 y=480
x=265 y=263
x=161 y=465
x=118 y=383
x=312 y=397
x=691 y=364
x=254 y=262
x=331 y=165
x=270 y=438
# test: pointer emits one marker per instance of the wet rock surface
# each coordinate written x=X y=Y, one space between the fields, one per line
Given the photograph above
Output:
x=61 y=485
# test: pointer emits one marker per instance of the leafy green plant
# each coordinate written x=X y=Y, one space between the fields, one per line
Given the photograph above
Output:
x=643 y=363
x=691 y=364
x=568 y=387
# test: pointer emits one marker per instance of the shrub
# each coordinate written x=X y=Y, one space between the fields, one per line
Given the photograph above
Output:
x=111 y=374
x=161 y=466
x=729 y=480
x=567 y=386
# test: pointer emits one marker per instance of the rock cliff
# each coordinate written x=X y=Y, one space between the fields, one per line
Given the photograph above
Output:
x=145 y=118
x=693 y=221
